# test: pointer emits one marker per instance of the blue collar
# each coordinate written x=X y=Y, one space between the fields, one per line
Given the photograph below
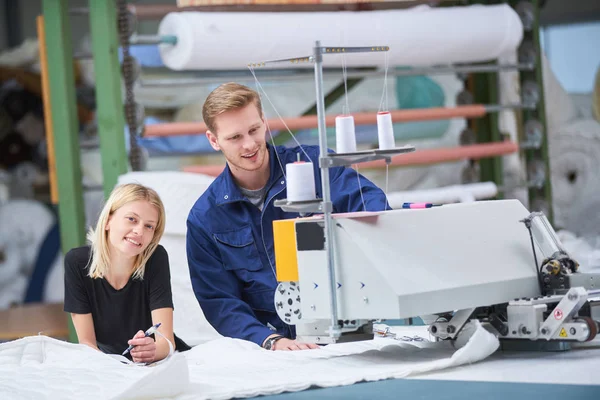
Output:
x=227 y=191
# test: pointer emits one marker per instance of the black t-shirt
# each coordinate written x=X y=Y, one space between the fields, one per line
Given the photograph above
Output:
x=117 y=314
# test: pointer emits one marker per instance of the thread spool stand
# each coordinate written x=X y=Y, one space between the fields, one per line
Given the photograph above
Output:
x=329 y=160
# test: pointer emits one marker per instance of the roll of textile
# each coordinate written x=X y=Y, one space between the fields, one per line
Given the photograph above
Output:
x=24 y=224
x=574 y=149
x=418 y=36
x=443 y=195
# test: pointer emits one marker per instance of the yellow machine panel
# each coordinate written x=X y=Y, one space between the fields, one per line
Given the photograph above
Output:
x=286 y=259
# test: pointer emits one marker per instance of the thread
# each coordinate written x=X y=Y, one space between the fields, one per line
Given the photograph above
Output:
x=300 y=181
x=345 y=134
x=385 y=131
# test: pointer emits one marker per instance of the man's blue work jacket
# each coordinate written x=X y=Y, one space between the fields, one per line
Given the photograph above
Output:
x=230 y=244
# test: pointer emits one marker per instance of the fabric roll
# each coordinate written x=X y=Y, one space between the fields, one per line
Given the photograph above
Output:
x=417 y=36
x=574 y=150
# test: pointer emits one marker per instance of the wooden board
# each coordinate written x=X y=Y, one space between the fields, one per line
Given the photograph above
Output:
x=34 y=319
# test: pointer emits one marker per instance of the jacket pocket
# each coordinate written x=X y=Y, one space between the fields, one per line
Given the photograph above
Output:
x=238 y=249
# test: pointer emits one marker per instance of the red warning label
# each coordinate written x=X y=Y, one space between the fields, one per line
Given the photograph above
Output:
x=558 y=314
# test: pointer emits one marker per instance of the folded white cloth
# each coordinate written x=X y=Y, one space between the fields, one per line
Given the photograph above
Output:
x=41 y=367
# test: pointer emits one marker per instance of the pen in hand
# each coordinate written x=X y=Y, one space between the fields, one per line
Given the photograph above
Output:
x=149 y=332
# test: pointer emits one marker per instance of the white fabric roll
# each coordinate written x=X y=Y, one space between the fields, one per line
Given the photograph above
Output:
x=416 y=36
x=444 y=195
x=300 y=181
x=574 y=150
x=24 y=224
x=345 y=134
x=385 y=131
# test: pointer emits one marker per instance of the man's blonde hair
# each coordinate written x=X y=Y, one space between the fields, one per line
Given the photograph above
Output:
x=228 y=96
x=98 y=238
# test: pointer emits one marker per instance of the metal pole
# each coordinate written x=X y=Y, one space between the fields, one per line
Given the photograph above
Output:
x=65 y=126
x=111 y=119
x=153 y=39
x=546 y=192
x=486 y=91
x=334 y=330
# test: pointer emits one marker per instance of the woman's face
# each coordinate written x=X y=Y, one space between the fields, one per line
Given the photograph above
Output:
x=131 y=227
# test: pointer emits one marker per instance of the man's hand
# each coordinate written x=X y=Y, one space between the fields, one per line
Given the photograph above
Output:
x=288 y=344
x=145 y=348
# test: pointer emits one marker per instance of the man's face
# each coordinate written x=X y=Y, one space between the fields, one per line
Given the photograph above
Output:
x=241 y=137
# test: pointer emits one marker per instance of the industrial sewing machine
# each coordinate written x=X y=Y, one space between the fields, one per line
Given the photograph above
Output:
x=340 y=273
x=492 y=261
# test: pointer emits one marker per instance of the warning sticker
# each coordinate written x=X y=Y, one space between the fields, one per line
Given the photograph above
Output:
x=558 y=314
x=563 y=333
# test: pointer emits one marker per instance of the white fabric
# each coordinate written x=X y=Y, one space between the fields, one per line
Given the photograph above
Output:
x=585 y=250
x=24 y=225
x=574 y=150
x=448 y=194
x=418 y=36
x=40 y=367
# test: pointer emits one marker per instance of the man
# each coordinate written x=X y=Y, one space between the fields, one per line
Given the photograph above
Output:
x=230 y=228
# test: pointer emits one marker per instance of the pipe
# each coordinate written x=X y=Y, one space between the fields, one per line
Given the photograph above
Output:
x=152 y=39
x=443 y=155
x=310 y=121
x=421 y=157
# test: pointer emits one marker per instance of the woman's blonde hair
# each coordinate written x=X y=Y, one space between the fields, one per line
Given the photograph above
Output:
x=98 y=238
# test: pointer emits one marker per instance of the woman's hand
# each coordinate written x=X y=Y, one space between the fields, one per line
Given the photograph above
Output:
x=144 y=350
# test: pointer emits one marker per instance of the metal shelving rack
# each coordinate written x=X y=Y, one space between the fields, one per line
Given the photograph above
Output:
x=104 y=18
x=535 y=135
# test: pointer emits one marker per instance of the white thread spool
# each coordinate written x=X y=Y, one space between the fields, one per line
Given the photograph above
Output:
x=345 y=135
x=385 y=131
x=300 y=181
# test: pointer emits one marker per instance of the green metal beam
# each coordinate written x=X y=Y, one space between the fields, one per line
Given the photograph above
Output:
x=109 y=100
x=486 y=128
x=71 y=211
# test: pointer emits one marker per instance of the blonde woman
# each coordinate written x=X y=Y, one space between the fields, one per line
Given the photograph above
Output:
x=120 y=285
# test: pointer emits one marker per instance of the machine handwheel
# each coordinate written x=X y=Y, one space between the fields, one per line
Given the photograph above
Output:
x=287 y=302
